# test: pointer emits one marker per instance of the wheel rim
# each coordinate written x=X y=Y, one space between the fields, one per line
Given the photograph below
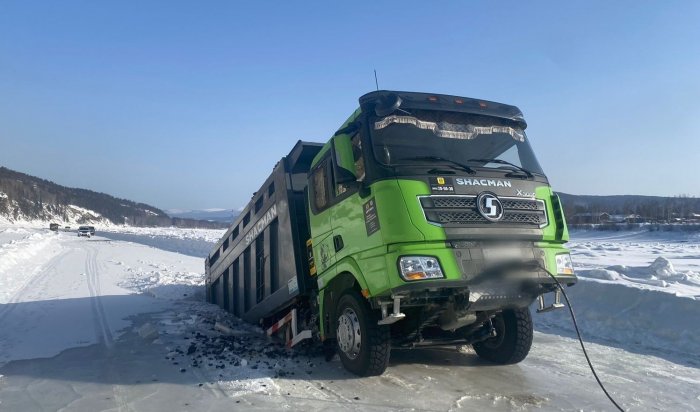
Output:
x=348 y=333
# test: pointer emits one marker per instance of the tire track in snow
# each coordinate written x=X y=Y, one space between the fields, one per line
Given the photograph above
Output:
x=40 y=275
x=121 y=397
x=102 y=329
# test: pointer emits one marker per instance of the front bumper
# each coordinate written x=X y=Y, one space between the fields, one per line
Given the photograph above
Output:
x=489 y=294
x=474 y=278
x=452 y=286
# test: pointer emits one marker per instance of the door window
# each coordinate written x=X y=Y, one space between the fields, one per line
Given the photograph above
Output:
x=319 y=180
x=358 y=157
x=359 y=161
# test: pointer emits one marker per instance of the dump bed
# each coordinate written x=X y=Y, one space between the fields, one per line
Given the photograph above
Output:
x=260 y=266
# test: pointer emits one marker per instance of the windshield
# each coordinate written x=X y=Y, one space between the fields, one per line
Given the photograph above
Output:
x=448 y=137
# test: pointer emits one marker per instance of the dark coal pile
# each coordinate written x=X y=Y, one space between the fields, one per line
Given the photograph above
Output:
x=203 y=346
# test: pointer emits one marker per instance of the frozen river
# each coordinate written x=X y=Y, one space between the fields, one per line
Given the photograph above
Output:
x=71 y=310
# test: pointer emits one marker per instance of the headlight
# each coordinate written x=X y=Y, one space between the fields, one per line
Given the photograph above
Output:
x=419 y=268
x=564 y=265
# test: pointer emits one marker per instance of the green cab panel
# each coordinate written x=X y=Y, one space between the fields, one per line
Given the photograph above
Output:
x=368 y=229
x=397 y=227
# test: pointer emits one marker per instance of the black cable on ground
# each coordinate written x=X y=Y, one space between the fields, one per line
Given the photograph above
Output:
x=578 y=334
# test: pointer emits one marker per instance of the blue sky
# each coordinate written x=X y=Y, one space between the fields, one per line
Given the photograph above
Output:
x=190 y=104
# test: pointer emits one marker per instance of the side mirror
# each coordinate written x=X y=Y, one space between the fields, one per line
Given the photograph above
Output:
x=343 y=161
x=350 y=129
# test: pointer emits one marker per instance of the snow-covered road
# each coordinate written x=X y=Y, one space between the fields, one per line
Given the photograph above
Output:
x=93 y=324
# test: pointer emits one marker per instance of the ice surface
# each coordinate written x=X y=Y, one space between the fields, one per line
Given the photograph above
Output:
x=72 y=308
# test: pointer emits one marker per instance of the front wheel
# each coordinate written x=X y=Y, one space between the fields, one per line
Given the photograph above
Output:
x=513 y=337
x=363 y=346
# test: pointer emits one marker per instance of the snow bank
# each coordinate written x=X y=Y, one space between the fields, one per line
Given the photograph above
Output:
x=19 y=250
x=661 y=261
x=630 y=316
x=208 y=235
x=659 y=273
x=603 y=274
x=192 y=242
x=191 y=247
x=638 y=289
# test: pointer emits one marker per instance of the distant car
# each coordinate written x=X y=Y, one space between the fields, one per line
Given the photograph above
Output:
x=53 y=226
x=85 y=231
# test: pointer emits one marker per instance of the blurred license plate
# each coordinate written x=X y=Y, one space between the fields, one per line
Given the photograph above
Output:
x=503 y=254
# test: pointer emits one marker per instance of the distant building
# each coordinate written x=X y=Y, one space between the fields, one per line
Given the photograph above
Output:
x=590 y=218
x=617 y=219
x=635 y=219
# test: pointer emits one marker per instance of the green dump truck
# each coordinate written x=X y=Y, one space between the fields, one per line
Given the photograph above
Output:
x=426 y=220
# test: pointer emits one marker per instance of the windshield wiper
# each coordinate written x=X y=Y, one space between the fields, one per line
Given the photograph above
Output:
x=503 y=162
x=442 y=159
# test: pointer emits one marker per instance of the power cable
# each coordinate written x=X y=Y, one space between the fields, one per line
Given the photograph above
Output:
x=583 y=347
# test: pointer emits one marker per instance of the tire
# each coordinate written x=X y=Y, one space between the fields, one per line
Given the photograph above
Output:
x=513 y=338
x=363 y=346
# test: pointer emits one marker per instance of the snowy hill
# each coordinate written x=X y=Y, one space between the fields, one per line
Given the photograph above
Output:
x=24 y=197
x=28 y=198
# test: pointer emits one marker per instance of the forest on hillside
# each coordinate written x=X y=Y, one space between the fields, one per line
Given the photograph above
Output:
x=636 y=208
x=25 y=197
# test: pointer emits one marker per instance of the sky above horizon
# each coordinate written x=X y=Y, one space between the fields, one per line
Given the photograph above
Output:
x=190 y=104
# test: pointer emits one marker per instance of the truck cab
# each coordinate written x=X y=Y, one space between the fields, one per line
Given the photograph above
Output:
x=432 y=222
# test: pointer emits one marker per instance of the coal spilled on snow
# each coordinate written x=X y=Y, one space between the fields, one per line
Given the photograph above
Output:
x=226 y=351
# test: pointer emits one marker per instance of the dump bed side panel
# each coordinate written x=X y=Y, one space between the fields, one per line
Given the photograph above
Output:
x=258 y=267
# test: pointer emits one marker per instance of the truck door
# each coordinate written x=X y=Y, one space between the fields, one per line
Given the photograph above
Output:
x=320 y=218
x=351 y=229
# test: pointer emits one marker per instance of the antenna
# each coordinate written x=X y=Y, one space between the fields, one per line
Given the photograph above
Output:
x=376 y=83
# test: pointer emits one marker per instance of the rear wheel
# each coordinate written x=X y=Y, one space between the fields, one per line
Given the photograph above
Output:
x=513 y=337
x=363 y=346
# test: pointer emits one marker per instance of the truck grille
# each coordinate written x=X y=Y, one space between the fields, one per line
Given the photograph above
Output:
x=462 y=210
x=452 y=202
